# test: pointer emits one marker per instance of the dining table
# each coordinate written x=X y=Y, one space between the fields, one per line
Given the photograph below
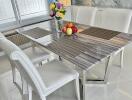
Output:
x=86 y=48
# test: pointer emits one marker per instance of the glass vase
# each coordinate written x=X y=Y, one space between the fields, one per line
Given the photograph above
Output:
x=59 y=25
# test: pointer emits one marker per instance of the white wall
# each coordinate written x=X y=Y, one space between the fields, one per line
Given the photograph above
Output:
x=112 y=3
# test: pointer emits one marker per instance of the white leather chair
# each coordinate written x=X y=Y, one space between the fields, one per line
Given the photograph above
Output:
x=86 y=15
x=71 y=13
x=46 y=79
x=113 y=19
x=1 y=35
x=68 y=14
x=36 y=54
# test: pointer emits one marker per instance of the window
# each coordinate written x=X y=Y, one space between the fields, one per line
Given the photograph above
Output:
x=7 y=17
x=26 y=11
x=30 y=9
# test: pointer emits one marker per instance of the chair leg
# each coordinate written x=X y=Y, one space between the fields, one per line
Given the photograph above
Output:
x=41 y=63
x=81 y=88
x=60 y=59
x=24 y=86
x=44 y=98
x=105 y=92
x=77 y=88
x=84 y=84
x=48 y=60
x=33 y=45
x=84 y=95
x=14 y=74
x=121 y=58
x=30 y=93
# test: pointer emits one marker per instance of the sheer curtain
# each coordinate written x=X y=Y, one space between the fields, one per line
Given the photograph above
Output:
x=26 y=11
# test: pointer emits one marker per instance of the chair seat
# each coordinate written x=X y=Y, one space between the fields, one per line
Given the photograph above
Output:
x=36 y=54
x=57 y=74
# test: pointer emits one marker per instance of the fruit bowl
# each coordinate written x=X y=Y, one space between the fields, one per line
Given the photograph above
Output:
x=69 y=29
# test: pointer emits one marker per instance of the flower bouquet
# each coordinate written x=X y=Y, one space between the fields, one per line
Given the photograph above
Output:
x=57 y=11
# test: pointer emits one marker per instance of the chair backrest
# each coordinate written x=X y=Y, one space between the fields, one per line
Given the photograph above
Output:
x=71 y=13
x=113 y=19
x=86 y=15
x=28 y=71
x=2 y=35
x=7 y=46
x=68 y=15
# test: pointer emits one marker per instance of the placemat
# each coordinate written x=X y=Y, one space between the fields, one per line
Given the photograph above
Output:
x=100 y=33
x=37 y=32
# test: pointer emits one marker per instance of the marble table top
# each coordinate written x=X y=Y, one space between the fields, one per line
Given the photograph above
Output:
x=84 y=50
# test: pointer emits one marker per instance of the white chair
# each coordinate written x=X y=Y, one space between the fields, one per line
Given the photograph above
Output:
x=113 y=19
x=44 y=80
x=36 y=54
x=68 y=15
x=1 y=35
x=71 y=13
x=86 y=15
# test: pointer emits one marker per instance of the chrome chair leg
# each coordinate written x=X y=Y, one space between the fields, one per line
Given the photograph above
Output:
x=77 y=88
x=14 y=74
x=30 y=93
x=41 y=64
x=122 y=58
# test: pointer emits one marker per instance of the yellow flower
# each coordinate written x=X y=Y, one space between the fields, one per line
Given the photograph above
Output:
x=58 y=14
x=61 y=15
x=52 y=6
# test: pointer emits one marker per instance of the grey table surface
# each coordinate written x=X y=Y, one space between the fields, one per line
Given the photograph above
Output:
x=91 y=45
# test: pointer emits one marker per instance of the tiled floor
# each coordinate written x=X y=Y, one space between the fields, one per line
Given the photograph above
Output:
x=120 y=91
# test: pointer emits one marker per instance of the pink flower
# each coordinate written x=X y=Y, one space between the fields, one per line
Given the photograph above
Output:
x=52 y=13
